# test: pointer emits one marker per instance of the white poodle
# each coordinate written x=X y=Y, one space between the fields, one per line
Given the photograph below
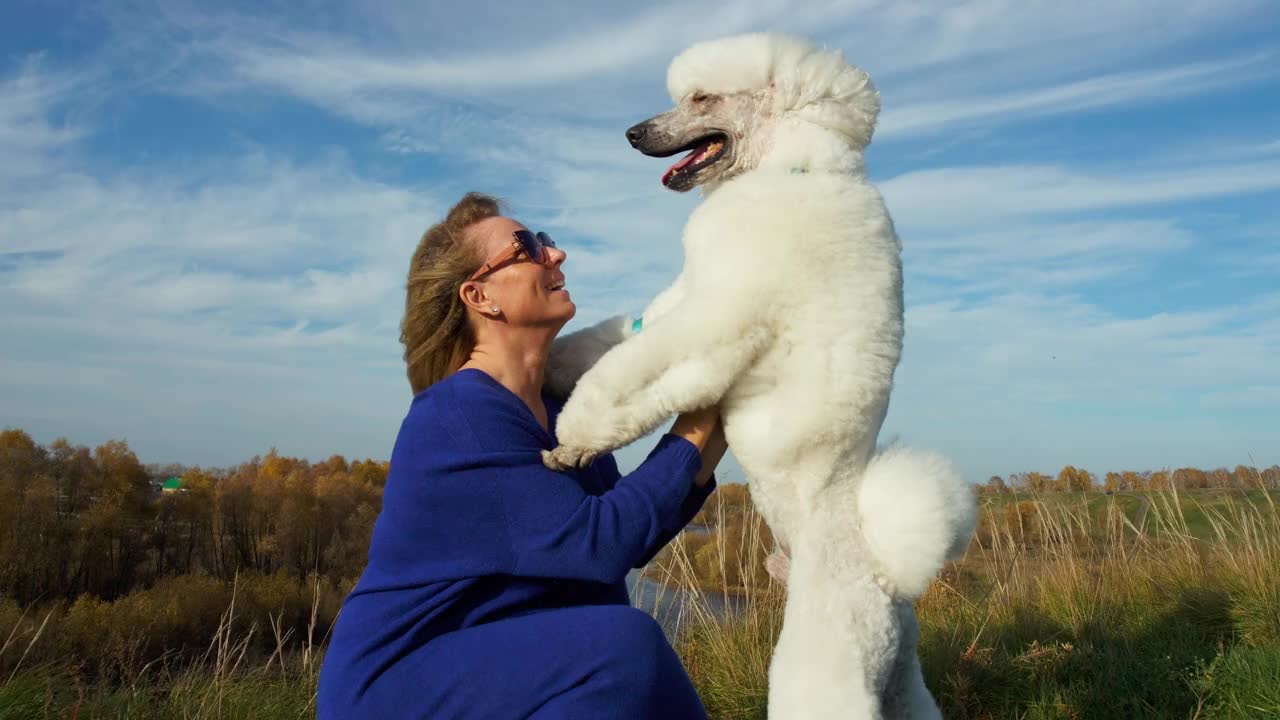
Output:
x=788 y=313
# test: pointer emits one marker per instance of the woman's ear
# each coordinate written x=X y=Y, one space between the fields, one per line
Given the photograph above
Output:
x=473 y=295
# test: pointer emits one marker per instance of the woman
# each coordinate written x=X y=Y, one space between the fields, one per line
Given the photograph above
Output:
x=495 y=587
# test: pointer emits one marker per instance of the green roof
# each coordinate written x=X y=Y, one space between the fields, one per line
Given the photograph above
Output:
x=173 y=483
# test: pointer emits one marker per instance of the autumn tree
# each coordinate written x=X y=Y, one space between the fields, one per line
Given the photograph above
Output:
x=1073 y=479
x=115 y=524
x=1245 y=477
x=995 y=486
x=1190 y=479
x=76 y=521
x=183 y=527
x=1035 y=482
x=28 y=501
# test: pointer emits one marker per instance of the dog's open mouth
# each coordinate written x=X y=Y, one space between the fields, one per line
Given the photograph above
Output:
x=701 y=153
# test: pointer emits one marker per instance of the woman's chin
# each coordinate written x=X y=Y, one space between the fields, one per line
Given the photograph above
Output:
x=563 y=311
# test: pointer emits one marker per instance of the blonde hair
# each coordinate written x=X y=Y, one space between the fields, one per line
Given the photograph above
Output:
x=435 y=333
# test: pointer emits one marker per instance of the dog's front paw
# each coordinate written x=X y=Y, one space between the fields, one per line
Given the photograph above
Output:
x=585 y=421
x=567 y=457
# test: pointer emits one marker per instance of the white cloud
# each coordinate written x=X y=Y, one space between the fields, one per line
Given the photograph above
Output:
x=29 y=136
x=922 y=51
x=140 y=304
x=1125 y=88
x=938 y=64
x=942 y=198
x=1037 y=255
x=317 y=65
x=268 y=290
x=1036 y=381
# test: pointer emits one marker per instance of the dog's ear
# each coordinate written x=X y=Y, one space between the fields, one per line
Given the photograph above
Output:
x=851 y=108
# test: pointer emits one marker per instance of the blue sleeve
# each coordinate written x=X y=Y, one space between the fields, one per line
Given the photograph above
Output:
x=557 y=529
x=607 y=466
x=693 y=502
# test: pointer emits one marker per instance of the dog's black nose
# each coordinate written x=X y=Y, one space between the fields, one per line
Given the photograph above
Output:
x=635 y=133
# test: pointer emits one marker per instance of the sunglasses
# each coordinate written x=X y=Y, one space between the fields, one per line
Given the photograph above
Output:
x=530 y=243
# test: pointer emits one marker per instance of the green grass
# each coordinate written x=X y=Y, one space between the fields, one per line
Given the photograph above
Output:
x=1242 y=685
x=36 y=695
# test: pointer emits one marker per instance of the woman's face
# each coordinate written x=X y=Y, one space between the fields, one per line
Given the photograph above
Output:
x=521 y=289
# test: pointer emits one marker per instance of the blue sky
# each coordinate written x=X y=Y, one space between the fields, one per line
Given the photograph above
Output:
x=206 y=211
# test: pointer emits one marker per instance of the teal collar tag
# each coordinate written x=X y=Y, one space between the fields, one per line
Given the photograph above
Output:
x=635 y=324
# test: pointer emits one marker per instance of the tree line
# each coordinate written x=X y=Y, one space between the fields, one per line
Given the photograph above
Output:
x=1073 y=479
x=76 y=521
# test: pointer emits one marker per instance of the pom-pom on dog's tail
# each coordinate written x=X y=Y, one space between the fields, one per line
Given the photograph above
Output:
x=917 y=512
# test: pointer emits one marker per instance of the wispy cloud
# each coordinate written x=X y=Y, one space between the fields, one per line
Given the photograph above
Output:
x=209 y=301
x=1038 y=381
x=29 y=134
x=941 y=198
x=392 y=70
x=1126 y=88
x=1034 y=256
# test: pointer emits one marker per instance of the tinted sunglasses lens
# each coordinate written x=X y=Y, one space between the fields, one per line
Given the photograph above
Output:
x=546 y=240
x=530 y=243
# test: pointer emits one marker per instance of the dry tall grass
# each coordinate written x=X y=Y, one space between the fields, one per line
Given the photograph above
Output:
x=1062 y=608
x=251 y=667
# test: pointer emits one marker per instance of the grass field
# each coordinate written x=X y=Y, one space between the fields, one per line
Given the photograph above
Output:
x=1133 y=605
x=1072 y=605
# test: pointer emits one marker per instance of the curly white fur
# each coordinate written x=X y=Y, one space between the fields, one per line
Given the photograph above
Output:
x=788 y=313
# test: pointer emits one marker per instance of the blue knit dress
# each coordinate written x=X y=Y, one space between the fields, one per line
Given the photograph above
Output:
x=495 y=587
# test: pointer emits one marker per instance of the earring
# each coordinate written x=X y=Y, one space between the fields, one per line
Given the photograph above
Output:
x=493 y=308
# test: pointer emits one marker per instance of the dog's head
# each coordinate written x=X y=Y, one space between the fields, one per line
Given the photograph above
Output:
x=743 y=101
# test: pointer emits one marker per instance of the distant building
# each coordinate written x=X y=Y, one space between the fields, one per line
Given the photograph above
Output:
x=172 y=485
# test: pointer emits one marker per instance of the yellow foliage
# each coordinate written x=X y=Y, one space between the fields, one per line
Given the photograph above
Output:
x=1022 y=520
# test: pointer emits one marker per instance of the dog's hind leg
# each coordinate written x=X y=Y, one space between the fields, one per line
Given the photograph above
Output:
x=906 y=697
x=839 y=638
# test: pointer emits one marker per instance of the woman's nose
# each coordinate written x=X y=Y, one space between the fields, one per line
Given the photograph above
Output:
x=556 y=255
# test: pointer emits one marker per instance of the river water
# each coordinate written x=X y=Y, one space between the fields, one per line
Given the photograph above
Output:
x=675 y=607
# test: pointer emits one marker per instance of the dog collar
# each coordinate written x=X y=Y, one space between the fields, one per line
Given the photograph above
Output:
x=635 y=324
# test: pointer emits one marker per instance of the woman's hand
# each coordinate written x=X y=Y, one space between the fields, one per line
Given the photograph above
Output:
x=705 y=430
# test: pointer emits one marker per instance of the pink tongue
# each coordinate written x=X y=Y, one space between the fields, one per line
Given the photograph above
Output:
x=688 y=158
x=683 y=161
